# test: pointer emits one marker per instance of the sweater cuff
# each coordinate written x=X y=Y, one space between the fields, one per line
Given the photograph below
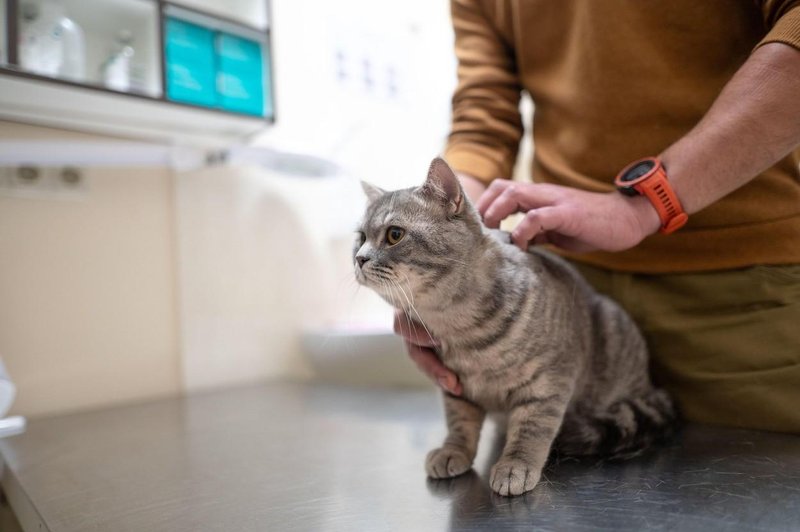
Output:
x=476 y=161
x=786 y=30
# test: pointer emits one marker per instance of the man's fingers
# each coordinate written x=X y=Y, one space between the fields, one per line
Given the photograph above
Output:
x=497 y=187
x=412 y=330
x=506 y=203
x=516 y=197
x=426 y=360
x=535 y=225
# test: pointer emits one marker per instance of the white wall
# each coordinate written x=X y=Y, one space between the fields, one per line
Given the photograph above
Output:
x=87 y=289
x=386 y=137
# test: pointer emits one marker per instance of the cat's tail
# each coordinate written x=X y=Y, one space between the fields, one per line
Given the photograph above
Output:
x=626 y=429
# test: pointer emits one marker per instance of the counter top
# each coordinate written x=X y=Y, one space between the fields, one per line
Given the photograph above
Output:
x=300 y=457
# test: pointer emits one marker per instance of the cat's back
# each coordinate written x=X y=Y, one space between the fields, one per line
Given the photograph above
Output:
x=550 y=272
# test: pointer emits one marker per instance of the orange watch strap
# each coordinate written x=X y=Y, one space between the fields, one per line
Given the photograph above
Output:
x=658 y=190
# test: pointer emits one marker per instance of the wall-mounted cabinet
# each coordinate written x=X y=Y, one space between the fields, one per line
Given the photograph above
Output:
x=148 y=65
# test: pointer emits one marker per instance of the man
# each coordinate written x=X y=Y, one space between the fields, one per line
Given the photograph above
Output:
x=712 y=89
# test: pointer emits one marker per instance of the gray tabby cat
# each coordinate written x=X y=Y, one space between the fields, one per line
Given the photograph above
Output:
x=525 y=333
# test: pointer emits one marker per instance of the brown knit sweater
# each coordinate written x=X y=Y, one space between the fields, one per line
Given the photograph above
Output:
x=613 y=81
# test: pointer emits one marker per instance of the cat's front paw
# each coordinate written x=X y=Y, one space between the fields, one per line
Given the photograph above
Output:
x=447 y=462
x=513 y=477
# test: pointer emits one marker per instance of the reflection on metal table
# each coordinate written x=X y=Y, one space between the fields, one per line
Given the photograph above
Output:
x=313 y=457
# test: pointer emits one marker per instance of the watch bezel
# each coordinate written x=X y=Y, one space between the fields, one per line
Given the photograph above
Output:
x=629 y=187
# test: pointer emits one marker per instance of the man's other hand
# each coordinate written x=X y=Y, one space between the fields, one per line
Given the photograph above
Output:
x=422 y=350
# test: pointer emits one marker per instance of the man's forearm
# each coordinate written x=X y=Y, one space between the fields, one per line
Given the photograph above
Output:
x=754 y=123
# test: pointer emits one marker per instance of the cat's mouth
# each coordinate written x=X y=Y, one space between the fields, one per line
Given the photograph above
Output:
x=365 y=279
x=384 y=284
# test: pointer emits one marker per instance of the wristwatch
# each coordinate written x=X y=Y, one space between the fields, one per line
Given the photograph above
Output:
x=647 y=177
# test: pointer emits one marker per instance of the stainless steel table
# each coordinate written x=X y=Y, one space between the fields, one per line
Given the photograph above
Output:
x=299 y=457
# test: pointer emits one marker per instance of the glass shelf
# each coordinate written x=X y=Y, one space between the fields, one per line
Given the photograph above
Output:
x=102 y=23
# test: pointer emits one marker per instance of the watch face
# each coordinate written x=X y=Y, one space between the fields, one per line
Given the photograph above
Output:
x=637 y=171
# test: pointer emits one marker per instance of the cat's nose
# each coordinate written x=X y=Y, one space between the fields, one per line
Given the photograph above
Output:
x=361 y=260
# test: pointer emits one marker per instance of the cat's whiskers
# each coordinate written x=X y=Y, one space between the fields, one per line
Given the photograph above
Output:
x=393 y=294
x=408 y=282
x=400 y=292
x=399 y=287
x=414 y=308
x=408 y=316
x=384 y=287
x=455 y=260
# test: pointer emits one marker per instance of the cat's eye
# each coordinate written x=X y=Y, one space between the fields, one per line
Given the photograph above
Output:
x=361 y=237
x=394 y=235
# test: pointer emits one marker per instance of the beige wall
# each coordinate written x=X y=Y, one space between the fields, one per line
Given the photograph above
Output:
x=87 y=289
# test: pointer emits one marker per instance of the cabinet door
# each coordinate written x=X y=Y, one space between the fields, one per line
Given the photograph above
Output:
x=240 y=80
x=190 y=63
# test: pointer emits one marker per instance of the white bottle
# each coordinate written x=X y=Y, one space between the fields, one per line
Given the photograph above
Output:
x=14 y=424
x=7 y=390
x=73 y=65
x=117 y=68
x=50 y=43
x=41 y=49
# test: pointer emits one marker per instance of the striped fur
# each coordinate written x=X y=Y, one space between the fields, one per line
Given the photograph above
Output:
x=526 y=335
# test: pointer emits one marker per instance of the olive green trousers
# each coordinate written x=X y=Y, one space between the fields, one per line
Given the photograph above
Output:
x=726 y=344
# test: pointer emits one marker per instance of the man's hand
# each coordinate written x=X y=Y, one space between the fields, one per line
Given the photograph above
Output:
x=421 y=349
x=574 y=220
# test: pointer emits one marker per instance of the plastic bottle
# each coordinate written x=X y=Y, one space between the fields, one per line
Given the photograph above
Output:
x=74 y=63
x=7 y=390
x=117 y=68
x=41 y=49
x=50 y=43
x=14 y=424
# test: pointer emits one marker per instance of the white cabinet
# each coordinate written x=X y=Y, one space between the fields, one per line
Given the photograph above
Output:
x=194 y=70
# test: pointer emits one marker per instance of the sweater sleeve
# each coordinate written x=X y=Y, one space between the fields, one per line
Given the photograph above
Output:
x=486 y=126
x=782 y=18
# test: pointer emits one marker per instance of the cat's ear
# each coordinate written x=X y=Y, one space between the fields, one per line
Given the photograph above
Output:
x=443 y=184
x=372 y=191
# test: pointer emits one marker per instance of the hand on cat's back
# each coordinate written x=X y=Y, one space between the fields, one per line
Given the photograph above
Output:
x=572 y=219
x=421 y=348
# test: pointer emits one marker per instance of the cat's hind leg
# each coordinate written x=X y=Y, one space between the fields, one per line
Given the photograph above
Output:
x=455 y=456
x=626 y=429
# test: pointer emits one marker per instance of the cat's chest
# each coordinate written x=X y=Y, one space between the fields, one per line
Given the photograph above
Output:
x=483 y=383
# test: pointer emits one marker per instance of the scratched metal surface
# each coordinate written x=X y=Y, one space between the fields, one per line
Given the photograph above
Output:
x=294 y=457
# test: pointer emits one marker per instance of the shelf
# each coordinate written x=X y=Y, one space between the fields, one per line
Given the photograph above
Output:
x=101 y=21
x=57 y=103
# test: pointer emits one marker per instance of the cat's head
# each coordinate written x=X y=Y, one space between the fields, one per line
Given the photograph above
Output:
x=412 y=242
